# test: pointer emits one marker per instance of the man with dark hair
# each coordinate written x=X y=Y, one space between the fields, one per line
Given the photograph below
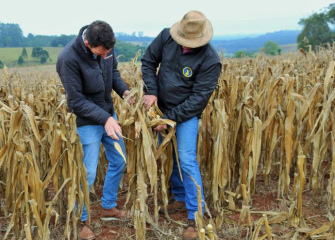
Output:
x=189 y=68
x=100 y=34
x=87 y=67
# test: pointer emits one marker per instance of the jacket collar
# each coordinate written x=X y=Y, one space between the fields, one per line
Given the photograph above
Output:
x=82 y=46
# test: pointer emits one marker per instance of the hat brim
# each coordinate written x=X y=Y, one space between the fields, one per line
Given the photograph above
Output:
x=192 y=43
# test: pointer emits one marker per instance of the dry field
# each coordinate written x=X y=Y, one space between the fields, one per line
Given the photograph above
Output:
x=266 y=149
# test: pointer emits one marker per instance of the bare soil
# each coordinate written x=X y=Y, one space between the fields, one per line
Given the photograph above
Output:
x=263 y=200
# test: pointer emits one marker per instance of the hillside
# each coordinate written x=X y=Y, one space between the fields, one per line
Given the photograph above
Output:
x=127 y=46
x=9 y=56
x=233 y=43
x=253 y=44
x=289 y=48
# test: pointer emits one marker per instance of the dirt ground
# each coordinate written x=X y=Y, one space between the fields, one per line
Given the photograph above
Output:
x=263 y=200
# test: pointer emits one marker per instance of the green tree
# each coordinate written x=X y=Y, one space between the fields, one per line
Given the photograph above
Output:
x=271 y=48
x=330 y=15
x=126 y=51
x=11 y=35
x=43 y=60
x=45 y=54
x=37 y=52
x=8 y=41
x=24 y=53
x=1 y=64
x=240 y=54
x=41 y=54
x=316 y=31
x=38 y=40
x=20 y=61
x=62 y=40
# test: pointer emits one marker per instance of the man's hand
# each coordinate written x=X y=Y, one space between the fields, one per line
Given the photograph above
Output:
x=148 y=100
x=125 y=94
x=113 y=129
x=160 y=127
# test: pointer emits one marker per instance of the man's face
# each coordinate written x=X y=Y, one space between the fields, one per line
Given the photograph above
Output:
x=99 y=51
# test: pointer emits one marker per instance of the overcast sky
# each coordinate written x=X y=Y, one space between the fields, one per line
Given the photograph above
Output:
x=44 y=17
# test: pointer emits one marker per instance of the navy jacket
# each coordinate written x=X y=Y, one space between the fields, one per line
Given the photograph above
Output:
x=88 y=82
x=184 y=82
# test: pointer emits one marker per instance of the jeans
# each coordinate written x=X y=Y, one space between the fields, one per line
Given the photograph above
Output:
x=91 y=136
x=186 y=190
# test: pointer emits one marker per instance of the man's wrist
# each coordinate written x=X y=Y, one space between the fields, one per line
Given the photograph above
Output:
x=124 y=94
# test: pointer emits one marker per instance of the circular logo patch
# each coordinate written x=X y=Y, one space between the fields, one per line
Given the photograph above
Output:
x=187 y=72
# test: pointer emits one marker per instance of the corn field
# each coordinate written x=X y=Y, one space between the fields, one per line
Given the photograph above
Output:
x=269 y=119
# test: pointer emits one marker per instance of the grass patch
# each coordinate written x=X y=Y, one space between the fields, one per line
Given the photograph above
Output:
x=9 y=56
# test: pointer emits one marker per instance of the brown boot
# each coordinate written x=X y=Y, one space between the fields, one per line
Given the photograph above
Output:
x=114 y=214
x=191 y=232
x=85 y=232
x=174 y=206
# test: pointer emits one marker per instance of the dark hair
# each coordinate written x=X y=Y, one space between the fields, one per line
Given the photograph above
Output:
x=100 y=33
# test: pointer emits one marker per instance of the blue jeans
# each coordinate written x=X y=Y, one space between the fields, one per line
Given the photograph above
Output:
x=186 y=190
x=91 y=136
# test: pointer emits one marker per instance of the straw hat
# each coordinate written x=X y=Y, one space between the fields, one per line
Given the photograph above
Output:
x=193 y=30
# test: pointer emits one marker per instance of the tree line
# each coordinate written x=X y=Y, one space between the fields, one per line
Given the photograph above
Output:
x=318 y=29
x=11 y=35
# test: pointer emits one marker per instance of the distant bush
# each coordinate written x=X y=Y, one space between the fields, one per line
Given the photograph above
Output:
x=43 y=60
x=40 y=53
x=242 y=54
x=271 y=48
x=1 y=64
x=20 y=61
x=126 y=51
x=37 y=52
x=24 y=53
x=62 y=40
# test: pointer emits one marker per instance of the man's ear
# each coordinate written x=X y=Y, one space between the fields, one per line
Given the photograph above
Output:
x=86 y=43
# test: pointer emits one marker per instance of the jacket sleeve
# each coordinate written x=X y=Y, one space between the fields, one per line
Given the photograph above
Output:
x=119 y=85
x=77 y=102
x=150 y=62
x=205 y=83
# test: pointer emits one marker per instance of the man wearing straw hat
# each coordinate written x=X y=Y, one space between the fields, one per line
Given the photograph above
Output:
x=189 y=69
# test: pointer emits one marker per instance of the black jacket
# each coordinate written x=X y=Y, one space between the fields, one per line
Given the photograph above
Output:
x=184 y=82
x=88 y=82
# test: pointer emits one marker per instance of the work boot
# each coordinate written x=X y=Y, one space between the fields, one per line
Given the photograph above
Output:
x=174 y=206
x=191 y=232
x=114 y=214
x=85 y=232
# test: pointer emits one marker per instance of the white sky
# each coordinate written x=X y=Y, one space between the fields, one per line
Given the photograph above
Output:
x=228 y=17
